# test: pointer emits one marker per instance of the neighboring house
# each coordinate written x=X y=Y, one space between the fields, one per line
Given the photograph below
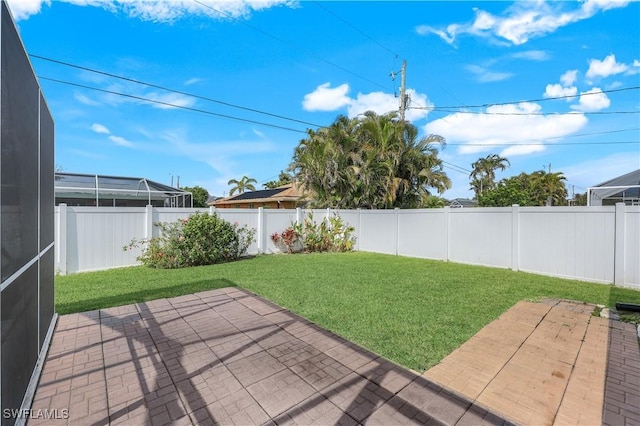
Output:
x=75 y=189
x=622 y=189
x=286 y=196
x=463 y=202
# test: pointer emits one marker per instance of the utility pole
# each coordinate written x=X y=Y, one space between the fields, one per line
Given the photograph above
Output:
x=403 y=96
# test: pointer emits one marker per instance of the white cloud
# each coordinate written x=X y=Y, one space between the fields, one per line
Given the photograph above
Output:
x=325 y=98
x=382 y=103
x=592 y=100
x=88 y=154
x=223 y=157
x=160 y=10
x=636 y=63
x=192 y=81
x=532 y=55
x=483 y=75
x=523 y=21
x=608 y=66
x=99 y=128
x=171 y=100
x=593 y=172
x=481 y=132
x=558 y=91
x=118 y=140
x=83 y=99
x=569 y=77
x=22 y=9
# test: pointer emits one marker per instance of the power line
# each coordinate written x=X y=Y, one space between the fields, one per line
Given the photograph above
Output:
x=455 y=170
x=530 y=113
x=171 y=105
x=261 y=31
x=545 y=144
x=455 y=165
x=356 y=28
x=604 y=132
x=131 y=80
x=624 y=89
x=577 y=135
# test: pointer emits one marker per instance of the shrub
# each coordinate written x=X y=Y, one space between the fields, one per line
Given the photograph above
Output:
x=290 y=239
x=329 y=235
x=202 y=239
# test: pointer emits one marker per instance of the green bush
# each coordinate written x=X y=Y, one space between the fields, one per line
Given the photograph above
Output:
x=329 y=235
x=202 y=239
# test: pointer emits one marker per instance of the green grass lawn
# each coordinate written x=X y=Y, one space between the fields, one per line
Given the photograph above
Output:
x=412 y=311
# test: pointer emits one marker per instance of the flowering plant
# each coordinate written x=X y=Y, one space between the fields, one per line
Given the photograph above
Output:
x=202 y=239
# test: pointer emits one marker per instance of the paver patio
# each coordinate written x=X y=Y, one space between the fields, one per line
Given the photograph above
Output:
x=549 y=363
x=228 y=357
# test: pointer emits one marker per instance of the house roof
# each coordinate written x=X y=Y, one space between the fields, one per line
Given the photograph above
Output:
x=631 y=178
x=288 y=192
x=78 y=185
x=252 y=195
x=626 y=186
x=463 y=202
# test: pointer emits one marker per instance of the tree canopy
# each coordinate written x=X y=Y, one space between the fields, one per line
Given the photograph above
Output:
x=372 y=161
x=483 y=175
x=536 y=189
x=283 y=179
x=200 y=195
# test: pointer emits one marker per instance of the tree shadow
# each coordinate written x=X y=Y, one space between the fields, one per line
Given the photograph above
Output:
x=103 y=302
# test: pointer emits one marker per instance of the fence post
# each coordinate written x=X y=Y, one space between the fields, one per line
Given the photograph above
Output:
x=148 y=223
x=328 y=215
x=618 y=251
x=447 y=237
x=261 y=231
x=61 y=240
x=212 y=210
x=358 y=230
x=397 y=212
x=298 y=216
x=515 y=237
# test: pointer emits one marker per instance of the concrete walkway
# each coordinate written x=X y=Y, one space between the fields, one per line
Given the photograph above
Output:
x=228 y=357
x=549 y=363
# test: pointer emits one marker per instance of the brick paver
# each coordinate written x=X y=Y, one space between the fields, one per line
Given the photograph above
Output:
x=228 y=357
x=548 y=363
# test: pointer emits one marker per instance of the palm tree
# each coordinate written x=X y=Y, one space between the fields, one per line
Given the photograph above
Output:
x=242 y=185
x=548 y=188
x=374 y=161
x=483 y=176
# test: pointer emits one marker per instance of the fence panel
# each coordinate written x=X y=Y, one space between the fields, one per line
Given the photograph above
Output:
x=96 y=237
x=167 y=215
x=275 y=221
x=242 y=217
x=632 y=247
x=378 y=231
x=481 y=236
x=423 y=233
x=352 y=218
x=568 y=242
x=572 y=242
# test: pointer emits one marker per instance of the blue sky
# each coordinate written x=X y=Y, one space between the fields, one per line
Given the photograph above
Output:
x=481 y=74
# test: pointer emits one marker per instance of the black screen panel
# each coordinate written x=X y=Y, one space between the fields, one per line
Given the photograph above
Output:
x=19 y=333
x=20 y=99
x=46 y=176
x=47 y=296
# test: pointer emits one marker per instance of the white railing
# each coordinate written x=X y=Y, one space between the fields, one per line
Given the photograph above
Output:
x=600 y=244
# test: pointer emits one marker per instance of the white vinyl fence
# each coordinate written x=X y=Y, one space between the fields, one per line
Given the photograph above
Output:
x=600 y=244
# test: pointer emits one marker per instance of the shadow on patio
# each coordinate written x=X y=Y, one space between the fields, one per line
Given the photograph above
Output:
x=227 y=356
